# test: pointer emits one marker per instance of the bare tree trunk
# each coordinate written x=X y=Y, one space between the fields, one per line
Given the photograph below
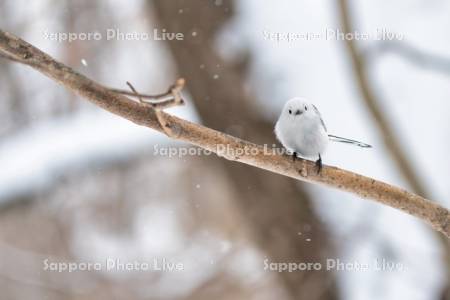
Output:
x=278 y=210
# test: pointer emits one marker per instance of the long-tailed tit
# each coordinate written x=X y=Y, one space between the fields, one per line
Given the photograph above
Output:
x=301 y=130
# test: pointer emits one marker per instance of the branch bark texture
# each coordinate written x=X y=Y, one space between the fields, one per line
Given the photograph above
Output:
x=237 y=149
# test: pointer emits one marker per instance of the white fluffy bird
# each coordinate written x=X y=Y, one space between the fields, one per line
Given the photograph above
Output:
x=301 y=130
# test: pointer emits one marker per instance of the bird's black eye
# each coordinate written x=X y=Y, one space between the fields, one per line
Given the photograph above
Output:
x=290 y=111
x=306 y=107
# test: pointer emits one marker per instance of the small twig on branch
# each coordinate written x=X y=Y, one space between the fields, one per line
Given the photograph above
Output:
x=175 y=94
x=7 y=56
x=161 y=101
x=237 y=150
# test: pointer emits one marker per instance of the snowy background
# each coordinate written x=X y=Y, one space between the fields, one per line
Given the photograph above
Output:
x=74 y=171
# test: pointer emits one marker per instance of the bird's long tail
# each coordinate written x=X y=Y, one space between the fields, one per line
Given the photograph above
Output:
x=348 y=141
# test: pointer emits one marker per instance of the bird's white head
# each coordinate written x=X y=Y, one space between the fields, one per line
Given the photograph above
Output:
x=296 y=108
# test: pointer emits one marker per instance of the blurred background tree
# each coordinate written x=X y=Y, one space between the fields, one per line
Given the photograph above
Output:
x=80 y=185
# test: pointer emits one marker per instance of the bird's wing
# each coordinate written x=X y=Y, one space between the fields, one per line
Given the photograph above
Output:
x=348 y=141
x=320 y=117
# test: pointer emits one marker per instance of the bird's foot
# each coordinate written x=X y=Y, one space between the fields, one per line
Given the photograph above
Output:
x=319 y=165
x=294 y=156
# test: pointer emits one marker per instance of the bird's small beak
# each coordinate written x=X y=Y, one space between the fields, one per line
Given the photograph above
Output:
x=298 y=112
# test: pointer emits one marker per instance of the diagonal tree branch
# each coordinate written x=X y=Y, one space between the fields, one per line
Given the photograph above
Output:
x=360 y=62
x=224 y=145
x=370 y=99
